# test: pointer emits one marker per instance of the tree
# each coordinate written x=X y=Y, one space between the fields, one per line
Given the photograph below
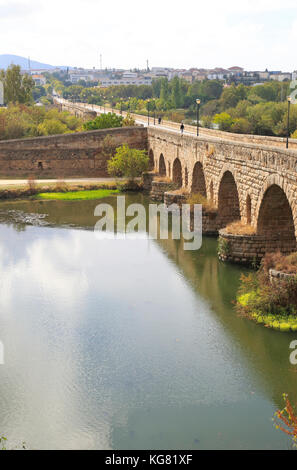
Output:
x=232 y=95
x=128 y=162
x=104 y=121
x=224 y=120
x=176 y=97
x=128 y=121
x=52 y=127
x=17 y=87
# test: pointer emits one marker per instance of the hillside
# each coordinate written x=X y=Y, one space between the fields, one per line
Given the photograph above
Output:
x=8 y=59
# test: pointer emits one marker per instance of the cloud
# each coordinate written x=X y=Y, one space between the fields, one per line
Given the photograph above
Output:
x=15 y=10
x=195 y=34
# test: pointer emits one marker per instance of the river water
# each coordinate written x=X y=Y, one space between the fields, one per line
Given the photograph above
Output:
x=128 y=344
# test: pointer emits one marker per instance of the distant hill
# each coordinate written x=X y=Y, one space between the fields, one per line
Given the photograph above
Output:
x=7 y=59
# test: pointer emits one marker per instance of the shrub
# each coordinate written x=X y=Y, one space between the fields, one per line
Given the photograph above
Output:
x=129 y=121
x=286 y=420
x=128 y=162
x=52 y=127
x=104 y=121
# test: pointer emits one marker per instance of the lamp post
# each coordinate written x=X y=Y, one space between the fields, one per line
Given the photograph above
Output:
x=288 y=121
x=198 y=109
x=148 y=112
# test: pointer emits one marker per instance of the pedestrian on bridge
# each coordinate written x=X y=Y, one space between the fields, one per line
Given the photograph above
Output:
x=182 y=127
x=159 y=120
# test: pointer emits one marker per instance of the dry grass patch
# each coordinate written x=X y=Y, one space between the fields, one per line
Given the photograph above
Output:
x=279 y=262
x=181 y=191
x=197 y=198
x=239 y=228
x=162 y=179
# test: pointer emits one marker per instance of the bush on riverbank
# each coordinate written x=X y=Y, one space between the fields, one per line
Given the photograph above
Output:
x=272 y=303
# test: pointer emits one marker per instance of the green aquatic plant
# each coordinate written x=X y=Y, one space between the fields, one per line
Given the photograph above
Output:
x=77 y=195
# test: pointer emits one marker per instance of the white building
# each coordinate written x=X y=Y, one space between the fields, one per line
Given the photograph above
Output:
x=76 y=77
x=104 y=83
x=39 y=80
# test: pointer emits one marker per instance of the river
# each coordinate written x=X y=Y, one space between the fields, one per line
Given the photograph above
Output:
x=128 y=344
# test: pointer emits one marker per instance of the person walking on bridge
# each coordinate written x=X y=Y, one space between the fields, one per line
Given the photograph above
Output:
x=159 y=120
x=182 y=127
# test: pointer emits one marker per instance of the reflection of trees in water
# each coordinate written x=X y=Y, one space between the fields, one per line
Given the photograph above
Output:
x=265 y=351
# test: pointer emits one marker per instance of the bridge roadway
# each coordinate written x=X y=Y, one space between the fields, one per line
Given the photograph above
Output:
x=189 y=129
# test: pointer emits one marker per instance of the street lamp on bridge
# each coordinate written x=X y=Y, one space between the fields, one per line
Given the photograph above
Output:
x=148 y=112
x=197 y=114
x=288 y=121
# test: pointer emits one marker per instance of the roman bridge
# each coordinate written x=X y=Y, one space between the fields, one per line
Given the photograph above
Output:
x=256 y=184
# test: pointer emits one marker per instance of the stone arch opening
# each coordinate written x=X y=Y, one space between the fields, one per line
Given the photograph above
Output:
x=248 y=210
x=228 y=204
x=151 y=160
x=177 y=173
x=162 y=166
x=275 y=219
x=198 y=180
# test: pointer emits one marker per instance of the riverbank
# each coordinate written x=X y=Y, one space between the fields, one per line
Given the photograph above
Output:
x=269 y=296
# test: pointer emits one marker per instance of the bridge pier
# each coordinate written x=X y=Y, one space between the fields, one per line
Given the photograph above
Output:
x=250 y=249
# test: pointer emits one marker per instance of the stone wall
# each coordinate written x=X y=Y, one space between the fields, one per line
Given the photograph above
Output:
x=159 y=188
x=80 y=154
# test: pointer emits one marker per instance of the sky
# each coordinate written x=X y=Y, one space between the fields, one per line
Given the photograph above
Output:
x=254 y=34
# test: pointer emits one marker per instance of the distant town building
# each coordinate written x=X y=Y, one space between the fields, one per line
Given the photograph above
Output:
x=104 y=83
x=39 y=80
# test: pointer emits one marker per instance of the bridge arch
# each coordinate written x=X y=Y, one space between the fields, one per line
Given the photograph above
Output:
x=198 y=180
x=277 y=180
x=162 y=166
x=275 y=218
x=151 y=160
x=177 y=176
x=228 y=199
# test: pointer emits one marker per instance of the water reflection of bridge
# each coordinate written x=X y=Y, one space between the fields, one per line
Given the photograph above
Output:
x=265 y=351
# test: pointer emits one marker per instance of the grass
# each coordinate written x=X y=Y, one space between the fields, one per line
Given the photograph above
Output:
x=162 y=179
x=286 y=264
x=284 y=323
x=197 y=198
x=239 y=228
x=77 y=195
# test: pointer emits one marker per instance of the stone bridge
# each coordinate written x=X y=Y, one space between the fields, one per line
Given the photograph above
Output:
x=256 y=184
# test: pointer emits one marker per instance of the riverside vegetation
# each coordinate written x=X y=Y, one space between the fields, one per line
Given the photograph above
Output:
x=268 y=301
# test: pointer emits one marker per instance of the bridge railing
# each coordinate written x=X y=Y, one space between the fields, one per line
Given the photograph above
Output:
x=268 y=141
